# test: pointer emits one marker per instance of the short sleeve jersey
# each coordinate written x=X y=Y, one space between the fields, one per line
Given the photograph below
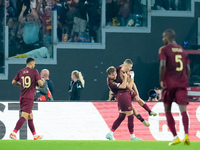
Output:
x=176 y=64
x=28 y=78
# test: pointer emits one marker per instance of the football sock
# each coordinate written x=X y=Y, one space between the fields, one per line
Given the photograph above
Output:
x=185 y=121
x=31 y=126
x=146 y=107
x=139 y=117
x=19 y=124
x=118 y=121
x=130 y=124
x=171 y=123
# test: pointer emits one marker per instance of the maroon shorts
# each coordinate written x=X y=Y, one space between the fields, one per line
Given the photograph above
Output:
x=26 y=105
x=178 y=95
x=124 y=101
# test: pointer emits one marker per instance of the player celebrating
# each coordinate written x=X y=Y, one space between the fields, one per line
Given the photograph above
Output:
x=127 y=67
x=174 y=74
x=27 y=78
x=124 y=102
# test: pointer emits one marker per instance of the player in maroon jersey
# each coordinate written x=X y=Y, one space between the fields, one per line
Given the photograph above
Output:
x=124 y=102
x=127 y=67
x=174 y=74
x=110 y=81
x=27 y=79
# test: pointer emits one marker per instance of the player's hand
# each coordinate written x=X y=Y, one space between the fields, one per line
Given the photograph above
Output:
x=162 y=85
x=125 y=75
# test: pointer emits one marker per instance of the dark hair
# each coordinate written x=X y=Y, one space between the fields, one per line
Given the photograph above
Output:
x=29 y=59
x=111 y=69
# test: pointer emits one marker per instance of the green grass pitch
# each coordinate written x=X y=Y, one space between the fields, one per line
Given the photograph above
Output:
x=93 y=145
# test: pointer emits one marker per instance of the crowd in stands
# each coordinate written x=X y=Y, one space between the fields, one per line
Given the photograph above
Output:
x=124 y=12
x=134 y=12
x=30 y=26
x=30 y=22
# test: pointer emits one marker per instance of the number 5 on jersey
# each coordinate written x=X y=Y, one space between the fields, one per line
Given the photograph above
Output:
x=178 y=60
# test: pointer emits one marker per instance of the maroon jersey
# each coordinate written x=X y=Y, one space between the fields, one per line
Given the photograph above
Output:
x=120 y=78
x=28 y=79
x=176 y=64
x=113 y=85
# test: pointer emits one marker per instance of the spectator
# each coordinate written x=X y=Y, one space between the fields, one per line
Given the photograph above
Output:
x=46 y=22
x=13 y=3
x=138 y=12
x=43 y=93
x=111 y=11
x=31 y=29
x=44 y=4
x=68 y=18
x=9 y=9
x=124 y=12
x=76 y=85
x=92 y=9
x=45 y=74
x=57 y=7
x=80 y=19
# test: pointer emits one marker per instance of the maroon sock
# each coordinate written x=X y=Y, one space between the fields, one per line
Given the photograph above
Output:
x=171 y=123
x=185 y=121
x=118 y=121
x=31 y=126
x=139 y=117
x=130 y=124
x=146 y=107
x=19 y=124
